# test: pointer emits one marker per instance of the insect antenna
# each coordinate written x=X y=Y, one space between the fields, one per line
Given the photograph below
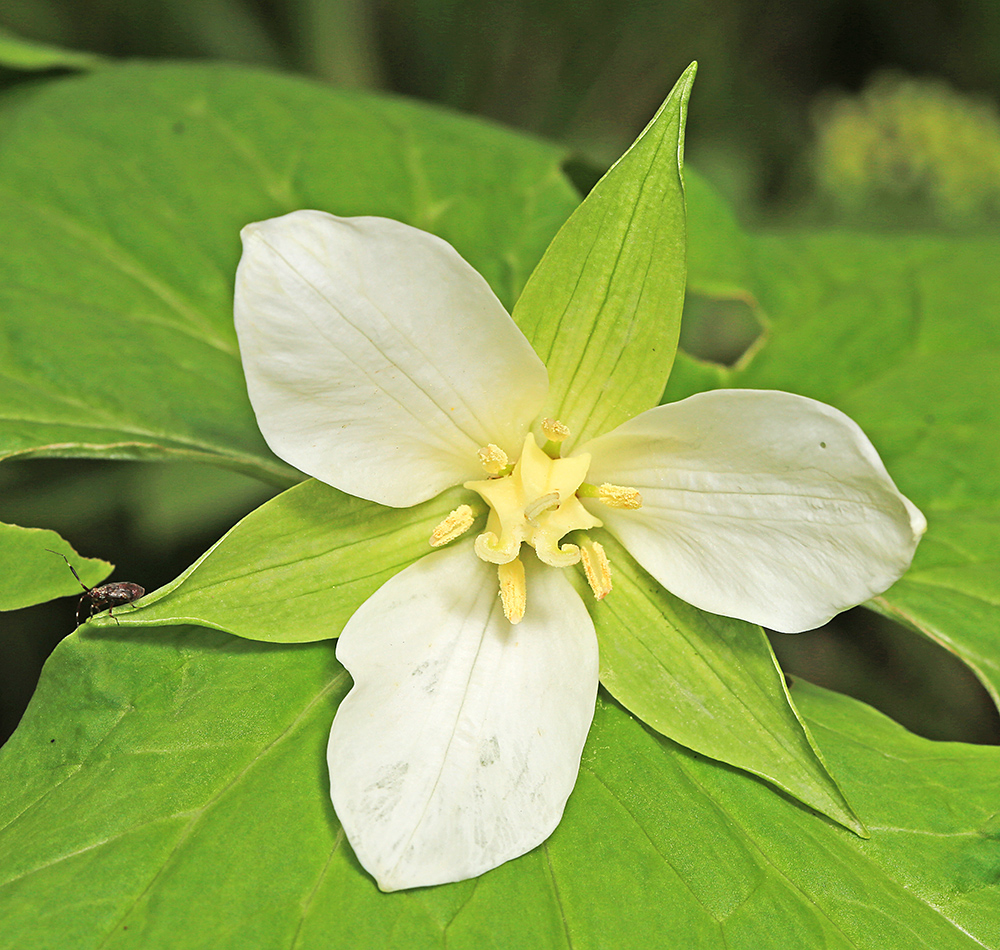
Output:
x=73 y=569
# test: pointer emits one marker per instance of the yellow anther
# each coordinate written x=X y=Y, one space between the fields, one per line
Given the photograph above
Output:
x=554 y=430
x=597 y=568
x=457 y=523
x=513 y=591
x=494 y=459
x=619 y=496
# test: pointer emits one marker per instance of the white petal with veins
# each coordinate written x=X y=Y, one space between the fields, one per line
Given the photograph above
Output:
x=378 y=360
x=760 y=505
x=461 y=740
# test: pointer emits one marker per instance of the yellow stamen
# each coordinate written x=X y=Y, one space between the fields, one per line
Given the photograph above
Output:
x=554 y=430
x=494 y=459
x=597 y=568
x=619 y=496
x=513 y=591
x=457 y=523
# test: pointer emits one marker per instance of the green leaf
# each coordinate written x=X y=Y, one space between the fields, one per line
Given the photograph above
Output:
x=295 y=569
x=901 y=333
x=170 y=789
x=849 y=310
x=952 y=592
x=710 y=683
x=127 y=189
x=603 y=307
x=16 y=52
x=30 y=573
x=718 y=252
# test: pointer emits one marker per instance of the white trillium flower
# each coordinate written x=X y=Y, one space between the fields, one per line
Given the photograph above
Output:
x=379 y=362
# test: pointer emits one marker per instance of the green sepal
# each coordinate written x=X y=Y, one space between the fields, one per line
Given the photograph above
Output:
x=710 y=683
x=603 y=307
x=295 y=569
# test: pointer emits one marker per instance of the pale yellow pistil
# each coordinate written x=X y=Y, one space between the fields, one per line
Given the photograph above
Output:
x=534 y=504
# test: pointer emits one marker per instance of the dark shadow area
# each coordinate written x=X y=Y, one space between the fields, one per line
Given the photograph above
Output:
x=904 y=675
x=151 y=520
x=718 y=329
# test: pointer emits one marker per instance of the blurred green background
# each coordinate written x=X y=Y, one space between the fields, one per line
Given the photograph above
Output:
x=831 y=113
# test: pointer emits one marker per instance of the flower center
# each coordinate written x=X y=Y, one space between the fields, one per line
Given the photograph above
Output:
x=536 y=501
x=532 y=503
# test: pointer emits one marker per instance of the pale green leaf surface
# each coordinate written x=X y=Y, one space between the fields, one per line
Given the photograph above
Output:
x=295 y=569
x=853 y=309
x=710 y=683
x=718 y=251
x=127 y=189
x=603 y=307
x=901 y=333
x=31 y=574
x=182 y=801
x=16 y=52
x=952 y=592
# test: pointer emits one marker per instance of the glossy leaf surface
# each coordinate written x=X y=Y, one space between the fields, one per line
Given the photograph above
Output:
x=194 y=789
x=127 y=189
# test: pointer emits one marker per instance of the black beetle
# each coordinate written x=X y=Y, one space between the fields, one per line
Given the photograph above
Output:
x=106 y=597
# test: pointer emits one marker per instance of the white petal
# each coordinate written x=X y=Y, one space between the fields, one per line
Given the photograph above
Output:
x=461 y=740
x=765 y=506
x=377 y=360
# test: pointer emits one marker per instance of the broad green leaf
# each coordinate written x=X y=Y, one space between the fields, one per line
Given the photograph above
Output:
x=603 y=307
x=952 y=592
x=717 y=249
x=710 y=683
x=127 y=189
x=295 y=569
x=851 y=310
x=30 y=573
x=16 y=52
x=169 y=789
x=902 y=333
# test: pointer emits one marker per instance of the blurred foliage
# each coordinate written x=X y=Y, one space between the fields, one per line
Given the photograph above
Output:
x=910 y=149
x=588 y=73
